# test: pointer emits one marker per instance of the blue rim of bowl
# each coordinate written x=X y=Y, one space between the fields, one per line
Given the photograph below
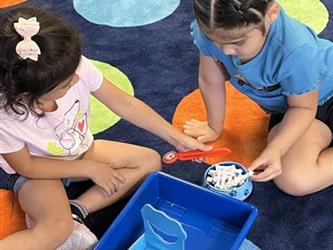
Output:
x=225 y=163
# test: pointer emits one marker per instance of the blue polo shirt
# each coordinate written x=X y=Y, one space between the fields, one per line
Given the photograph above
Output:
x=293 y=61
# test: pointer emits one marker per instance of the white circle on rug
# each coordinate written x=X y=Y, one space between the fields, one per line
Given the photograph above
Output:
x=125 y=13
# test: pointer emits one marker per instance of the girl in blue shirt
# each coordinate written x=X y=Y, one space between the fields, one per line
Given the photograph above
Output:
x=284 y=67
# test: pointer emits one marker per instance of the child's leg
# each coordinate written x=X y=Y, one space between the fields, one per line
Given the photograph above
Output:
x=45 y=201
x=133 y=162
x=307 y=167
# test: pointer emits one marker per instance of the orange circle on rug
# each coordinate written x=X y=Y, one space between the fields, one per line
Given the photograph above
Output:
x=8 y=3
x=245 y=128
x=11 y=214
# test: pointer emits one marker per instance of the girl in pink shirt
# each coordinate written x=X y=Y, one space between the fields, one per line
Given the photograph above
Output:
x=45 y=86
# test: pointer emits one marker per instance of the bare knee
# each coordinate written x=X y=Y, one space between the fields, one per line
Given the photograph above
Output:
x=152 y=161
x=292 y=184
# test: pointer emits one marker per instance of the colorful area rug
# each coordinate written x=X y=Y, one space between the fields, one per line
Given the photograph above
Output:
x=161 y=63
x=246 y=144
x=125 y=13
x=9 y=3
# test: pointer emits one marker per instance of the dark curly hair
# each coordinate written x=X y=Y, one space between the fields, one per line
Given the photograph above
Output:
x=229 y=14
x=23 y=82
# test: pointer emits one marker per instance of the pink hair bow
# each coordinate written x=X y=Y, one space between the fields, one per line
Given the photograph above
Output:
x=27 y=28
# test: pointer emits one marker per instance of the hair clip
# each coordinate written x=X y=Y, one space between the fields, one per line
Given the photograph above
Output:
x=27 y=28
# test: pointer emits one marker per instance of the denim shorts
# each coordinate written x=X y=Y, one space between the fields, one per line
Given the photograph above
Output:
x=15 y=181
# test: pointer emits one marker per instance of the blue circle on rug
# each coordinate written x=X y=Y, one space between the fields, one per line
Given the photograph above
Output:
x=125 y=13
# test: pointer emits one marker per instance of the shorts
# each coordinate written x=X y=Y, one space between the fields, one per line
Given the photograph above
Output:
x=15 y=181
x=324 y=114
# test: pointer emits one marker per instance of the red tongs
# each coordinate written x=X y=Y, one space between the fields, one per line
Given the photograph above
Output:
x=172 y=156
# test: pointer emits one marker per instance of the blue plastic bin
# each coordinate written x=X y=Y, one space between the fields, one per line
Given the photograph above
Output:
x=160 y=231
x=211 y=220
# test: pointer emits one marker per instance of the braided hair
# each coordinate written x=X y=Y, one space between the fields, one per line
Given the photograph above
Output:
x=229 y=14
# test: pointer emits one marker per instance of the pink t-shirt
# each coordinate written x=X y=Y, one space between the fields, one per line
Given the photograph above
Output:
x=63 y=133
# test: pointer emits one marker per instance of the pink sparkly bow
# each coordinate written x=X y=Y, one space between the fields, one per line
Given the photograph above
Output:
x=27 y=28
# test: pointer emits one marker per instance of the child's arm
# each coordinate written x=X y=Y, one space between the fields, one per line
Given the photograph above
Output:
x=137 y=112
x=35 y=167
x=212 y=77
x=298 y=118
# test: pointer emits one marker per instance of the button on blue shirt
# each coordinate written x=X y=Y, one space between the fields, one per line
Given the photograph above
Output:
x=293 y=61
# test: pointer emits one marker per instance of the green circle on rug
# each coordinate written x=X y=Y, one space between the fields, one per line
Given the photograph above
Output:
x=310 y=12
x=102 y=117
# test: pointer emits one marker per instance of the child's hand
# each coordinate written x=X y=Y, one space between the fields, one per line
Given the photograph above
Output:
x=200 y=130
x=105 y=176
x=267 y=166
x=185 y=143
